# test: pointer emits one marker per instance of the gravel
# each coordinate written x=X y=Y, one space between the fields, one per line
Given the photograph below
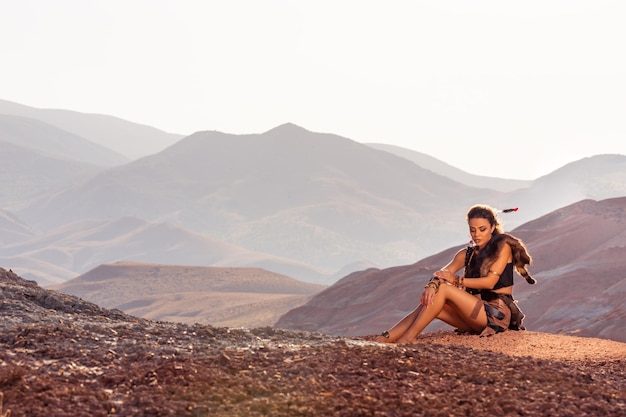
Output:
x=62 y=356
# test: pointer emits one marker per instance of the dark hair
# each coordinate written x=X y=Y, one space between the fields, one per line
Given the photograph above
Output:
x=481 y=211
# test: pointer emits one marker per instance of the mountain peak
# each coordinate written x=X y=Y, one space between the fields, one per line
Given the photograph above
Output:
x=287 y=128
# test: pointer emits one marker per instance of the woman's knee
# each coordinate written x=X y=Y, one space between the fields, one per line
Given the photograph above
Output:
x=446 y=290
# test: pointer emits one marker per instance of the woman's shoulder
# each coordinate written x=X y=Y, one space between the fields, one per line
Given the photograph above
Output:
x=507 y=239
x=462 y=254
x=517 y=247
x=504 y=237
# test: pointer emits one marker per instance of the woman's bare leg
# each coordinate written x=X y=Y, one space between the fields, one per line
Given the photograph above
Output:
x=400 y=327
x=461 y=302
x=451 y=317
x=447 y=315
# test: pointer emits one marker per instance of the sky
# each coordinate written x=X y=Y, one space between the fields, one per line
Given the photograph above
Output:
x=510 y=89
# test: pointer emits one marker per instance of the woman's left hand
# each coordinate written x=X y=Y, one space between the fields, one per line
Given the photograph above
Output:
x=445 y=275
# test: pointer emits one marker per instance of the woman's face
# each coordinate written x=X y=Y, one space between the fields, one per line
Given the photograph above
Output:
x=481 y=231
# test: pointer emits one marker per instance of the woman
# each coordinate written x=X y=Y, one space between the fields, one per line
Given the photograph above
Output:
x=481 y=301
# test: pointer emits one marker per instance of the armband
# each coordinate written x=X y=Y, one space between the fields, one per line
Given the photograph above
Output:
x=434 y=283
x=458 y=281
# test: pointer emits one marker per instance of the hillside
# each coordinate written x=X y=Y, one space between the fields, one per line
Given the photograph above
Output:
x=27 y=174
x=12 y=229
x=447 y=170
x=132 y=140
x=579 y=259
x=63 y=356
x=231 y=297
x=83 y=245
x=597 y=177
x=54 y=142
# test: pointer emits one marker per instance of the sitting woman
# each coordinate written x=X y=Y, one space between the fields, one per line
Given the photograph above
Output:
x=481 y=301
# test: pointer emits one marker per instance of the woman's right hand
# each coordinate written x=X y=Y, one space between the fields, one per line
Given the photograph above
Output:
x=427 y=297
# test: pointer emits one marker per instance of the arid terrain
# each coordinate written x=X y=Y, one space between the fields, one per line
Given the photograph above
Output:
x=220 y=296
x=62 y=356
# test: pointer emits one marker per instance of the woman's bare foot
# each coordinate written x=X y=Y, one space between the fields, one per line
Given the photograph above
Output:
x=403 y=341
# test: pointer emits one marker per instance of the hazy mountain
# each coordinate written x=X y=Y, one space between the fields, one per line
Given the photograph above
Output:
x=38 y=270
x=81 y=246
x=598 y=177
x=53 y=142
x=37 y=158
x=26 y=174
x=579 y=259
x=593 y=177
x=13 y=229
x=447 y=170
x=234 y=297
x=315 y=198
x=126 y=138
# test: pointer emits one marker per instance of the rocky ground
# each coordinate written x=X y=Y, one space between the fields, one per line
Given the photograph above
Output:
x=61 y=356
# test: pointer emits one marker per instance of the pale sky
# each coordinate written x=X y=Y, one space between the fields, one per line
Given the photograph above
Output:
x=512 y=89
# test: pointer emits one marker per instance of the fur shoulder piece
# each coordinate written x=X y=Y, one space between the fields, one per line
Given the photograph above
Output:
x=521 y=257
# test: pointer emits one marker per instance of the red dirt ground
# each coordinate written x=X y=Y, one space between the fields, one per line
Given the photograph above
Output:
x=61 y=356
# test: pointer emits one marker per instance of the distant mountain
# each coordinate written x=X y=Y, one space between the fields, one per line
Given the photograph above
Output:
x=234 y=297
x=579 y=258
x=428 y=162
x=319 y=200
x=53 y=142
x=13 y=229
x=315 y=198
x=26 y=174
x=86 y=244
x=594 y=177
x=38 y=270
x=37 y=158
x=598 y=177
x=132 y=140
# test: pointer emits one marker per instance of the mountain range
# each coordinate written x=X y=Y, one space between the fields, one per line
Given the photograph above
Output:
x=428 y=162
x=124 y=140
x=312 y=206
